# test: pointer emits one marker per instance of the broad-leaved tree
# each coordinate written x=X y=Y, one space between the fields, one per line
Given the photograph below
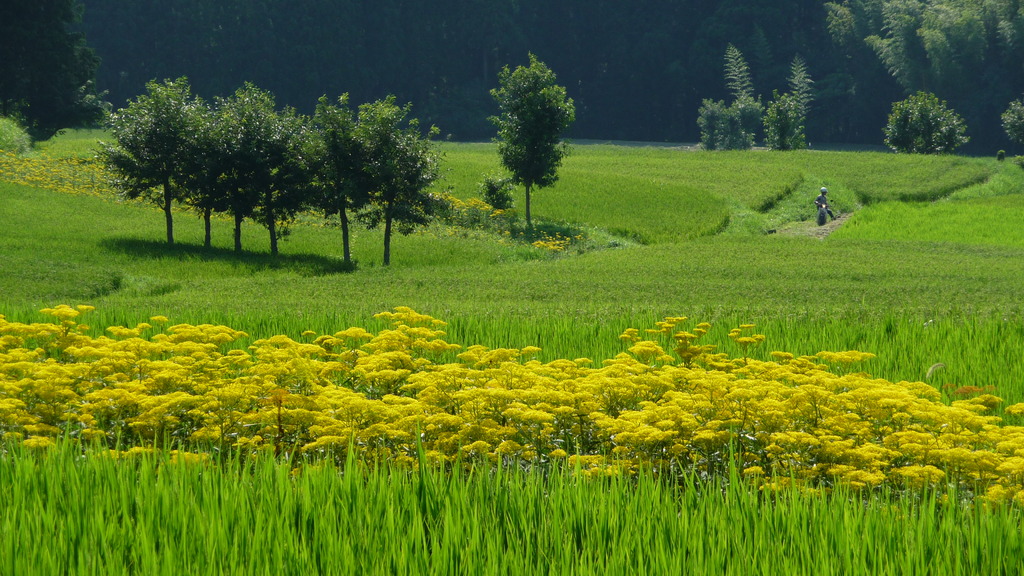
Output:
x=534 y=112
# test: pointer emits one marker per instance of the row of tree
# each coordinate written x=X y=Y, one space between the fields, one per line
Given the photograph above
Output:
x=243 y=156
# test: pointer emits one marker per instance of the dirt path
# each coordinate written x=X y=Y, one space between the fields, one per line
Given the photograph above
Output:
x=812 y=229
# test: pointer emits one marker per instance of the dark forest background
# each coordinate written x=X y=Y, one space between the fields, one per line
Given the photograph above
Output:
x=637 y=70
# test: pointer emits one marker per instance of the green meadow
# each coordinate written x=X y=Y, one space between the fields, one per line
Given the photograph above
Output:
x=926 y=271
x=719 y=237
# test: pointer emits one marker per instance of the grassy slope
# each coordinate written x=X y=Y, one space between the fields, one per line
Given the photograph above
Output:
x=894 y=281
x=857 y=289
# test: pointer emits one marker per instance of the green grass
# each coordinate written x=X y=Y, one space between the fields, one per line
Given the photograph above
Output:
x=665 y=195
x=992 y=221
x=69 y=514
x=917 y=283
x=860 y=288
x=79 y=143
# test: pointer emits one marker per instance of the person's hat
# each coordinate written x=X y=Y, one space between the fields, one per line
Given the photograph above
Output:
x=824 y=190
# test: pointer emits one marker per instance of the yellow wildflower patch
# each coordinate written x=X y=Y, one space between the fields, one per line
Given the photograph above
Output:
x=405 y=390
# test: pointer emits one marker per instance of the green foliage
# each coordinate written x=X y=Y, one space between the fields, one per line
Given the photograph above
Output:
x=732 y=127
x=722 y=127
x=338 y=156
x=81 y=143
x=956 y=49
x=534 y=112
x=784 y=123
x=801 y=86
x=922 y=124
x=13 y=138
x=497 y=191
x=81 y=249
x=47 y=71
x=399 y=164
x=1013 y=121
x=263 y=168
x=737 y=74
x=151 y=145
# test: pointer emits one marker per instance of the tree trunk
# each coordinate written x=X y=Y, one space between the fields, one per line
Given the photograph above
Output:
x=272 y=228
x=271 y=222
x=208 y=238
x=387 y=240
x=238 y=233
x=529 y=223
x=346 y=246
x=168 y=218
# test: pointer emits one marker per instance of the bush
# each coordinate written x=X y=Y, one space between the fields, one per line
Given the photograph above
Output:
x=784 y=124
x=922 y=124
x=1013 y=121
x=13 y=138
x=497 y=191
x=722 y=127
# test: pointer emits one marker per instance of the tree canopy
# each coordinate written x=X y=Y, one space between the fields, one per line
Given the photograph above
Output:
x=535 y=111
x=47 y=71
x=400 y=164
x=152 y=145
x=636 y=70
x=923 y=124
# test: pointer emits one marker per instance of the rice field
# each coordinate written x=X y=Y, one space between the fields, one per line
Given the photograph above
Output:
x=65 y=514
x=925 y=275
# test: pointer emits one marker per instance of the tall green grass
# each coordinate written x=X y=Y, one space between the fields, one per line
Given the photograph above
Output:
x=65 y=513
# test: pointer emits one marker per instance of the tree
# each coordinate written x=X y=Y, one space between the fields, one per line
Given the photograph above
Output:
x=747 y=107
x=801 y=86
x=534 y=112
x=204 y=189
x=737 y=74
x=400 y=164
x=784 y=123
x=46 y=69
x=1013 y=121
x=733 y=126
x=721 y=127
x=339 y=157
x=263 y=167
x=922 y=124
x=151 y=145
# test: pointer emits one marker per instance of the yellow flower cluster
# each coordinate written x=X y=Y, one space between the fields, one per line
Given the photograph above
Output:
x=71 y=175
x=557 y=242
x=788 y=420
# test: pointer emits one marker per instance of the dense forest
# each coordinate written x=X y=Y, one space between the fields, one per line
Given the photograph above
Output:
x=637 y=70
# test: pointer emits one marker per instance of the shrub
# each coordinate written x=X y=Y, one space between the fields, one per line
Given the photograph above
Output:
x=922 y=124
x=784 y=124
x=497 y=191
x=13 y=138
x=1013 y=121
x=725 y=127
